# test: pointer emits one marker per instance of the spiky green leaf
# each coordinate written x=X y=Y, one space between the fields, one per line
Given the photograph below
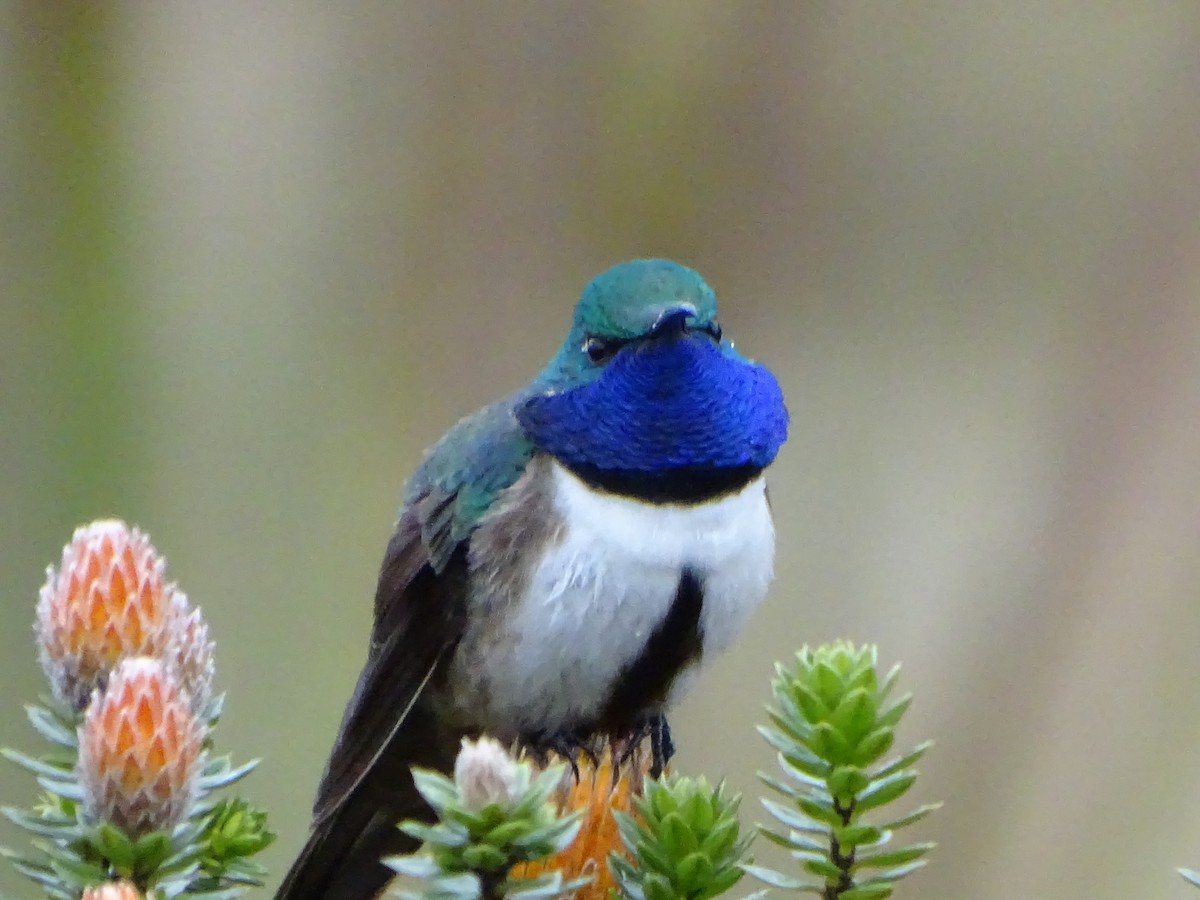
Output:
x=437 y=790
x=814 y=771
x=866 y=892
x=893 y=714
x=889 y=682
x=889 y=858
x=721 y=838
x=885 y=790
x=855 y=715
x=795 y=841
x=780 y=880
x=694 y=871
x=799 y=819
x=823 y=868
x=827 y=683
x=850 y=836
x=485 y=858
x=873 y=745
x=227 y=775
x=846 y=782
x=52 y=727
x=915 y=816
x=820 y=810
x=895 y=874
x=903 y=762
x=41 y=767
x=697 y=811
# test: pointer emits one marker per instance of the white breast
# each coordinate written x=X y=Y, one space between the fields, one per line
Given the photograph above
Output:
x=599 y=592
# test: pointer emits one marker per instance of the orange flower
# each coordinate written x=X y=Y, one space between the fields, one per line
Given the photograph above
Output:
x=113 y=890
x=108 y=600
x=598 y=794
x=140 y=750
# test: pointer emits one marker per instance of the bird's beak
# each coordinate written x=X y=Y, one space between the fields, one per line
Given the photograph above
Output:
x=673 y=322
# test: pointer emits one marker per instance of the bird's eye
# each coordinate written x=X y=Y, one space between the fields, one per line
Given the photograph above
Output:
x=599 y=350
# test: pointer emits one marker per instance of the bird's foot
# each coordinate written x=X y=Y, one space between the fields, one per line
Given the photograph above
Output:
x=662 y=748
x=568 y=745
x=572 y=743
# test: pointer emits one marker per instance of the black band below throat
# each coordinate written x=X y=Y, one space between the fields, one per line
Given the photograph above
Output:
x=683 y=484
x=675 y=643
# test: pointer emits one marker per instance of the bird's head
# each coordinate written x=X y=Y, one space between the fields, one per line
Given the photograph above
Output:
x=646 y=382
x=627 y=307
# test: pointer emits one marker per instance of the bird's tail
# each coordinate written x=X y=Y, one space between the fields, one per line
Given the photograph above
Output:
x=343 y=855
x=356 y=817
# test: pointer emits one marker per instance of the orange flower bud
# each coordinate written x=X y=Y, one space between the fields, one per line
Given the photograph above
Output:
x=140 y=750
x=108 y=600
x=113 y=890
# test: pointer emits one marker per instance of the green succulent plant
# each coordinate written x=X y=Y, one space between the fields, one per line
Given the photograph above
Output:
x=832 y=726
x=206 y=855
x=495 y=813
x=684 y=842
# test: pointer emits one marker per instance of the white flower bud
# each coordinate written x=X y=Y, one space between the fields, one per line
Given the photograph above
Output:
x=486 y=774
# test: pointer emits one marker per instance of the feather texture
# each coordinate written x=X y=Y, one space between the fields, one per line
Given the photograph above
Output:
x=680 y=403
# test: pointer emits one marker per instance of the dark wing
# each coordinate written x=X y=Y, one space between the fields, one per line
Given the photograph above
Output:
x=420 y=607
x=408 y=641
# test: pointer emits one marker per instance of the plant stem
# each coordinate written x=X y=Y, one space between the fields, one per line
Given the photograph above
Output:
x=490 y=884
x=843 y=862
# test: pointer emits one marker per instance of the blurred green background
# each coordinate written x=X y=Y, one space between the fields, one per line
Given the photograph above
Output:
x=255 y=257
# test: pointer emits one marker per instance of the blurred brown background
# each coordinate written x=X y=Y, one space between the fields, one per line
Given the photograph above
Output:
x=255 y=257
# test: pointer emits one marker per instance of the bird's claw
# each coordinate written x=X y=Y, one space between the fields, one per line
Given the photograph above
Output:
x=568 y=745
x=571 y=744
x=662 y=748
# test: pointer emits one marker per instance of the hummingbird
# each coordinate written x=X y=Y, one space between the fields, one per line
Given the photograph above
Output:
x=563 y=562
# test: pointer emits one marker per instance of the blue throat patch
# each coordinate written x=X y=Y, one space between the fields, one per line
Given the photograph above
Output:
x=662 y=405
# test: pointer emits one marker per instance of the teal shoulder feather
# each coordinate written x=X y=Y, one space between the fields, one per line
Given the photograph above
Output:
x=464 y=472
